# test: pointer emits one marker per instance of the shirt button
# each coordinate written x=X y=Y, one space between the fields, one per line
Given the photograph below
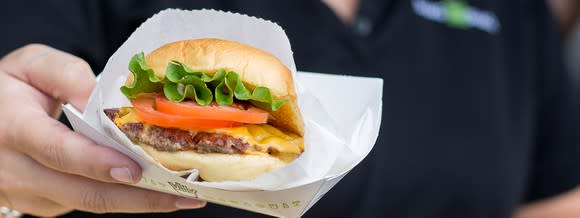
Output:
x=363 y=26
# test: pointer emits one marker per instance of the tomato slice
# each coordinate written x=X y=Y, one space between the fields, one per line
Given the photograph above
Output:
x=191 y=109
x=144 y=109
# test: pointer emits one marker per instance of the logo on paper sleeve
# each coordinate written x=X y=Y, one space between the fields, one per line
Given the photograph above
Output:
x=181 y=189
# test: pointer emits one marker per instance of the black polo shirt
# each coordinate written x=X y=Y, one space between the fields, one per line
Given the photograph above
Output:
x=479 y=115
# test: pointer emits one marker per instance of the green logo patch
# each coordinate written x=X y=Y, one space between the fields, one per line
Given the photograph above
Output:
x=456 y=13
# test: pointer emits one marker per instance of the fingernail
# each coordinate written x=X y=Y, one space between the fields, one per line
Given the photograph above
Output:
x=188 y=203
x=122 y=174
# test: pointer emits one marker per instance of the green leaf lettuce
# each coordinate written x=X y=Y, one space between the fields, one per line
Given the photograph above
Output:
x=181 y=83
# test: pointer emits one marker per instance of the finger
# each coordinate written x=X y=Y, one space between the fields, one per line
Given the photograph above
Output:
x=23 y=98
x=93 y=196
x=97 y=197
x=89 y=195
x=52 y=144
x=37 y=206
x=4 y=201
x=58 y=74
x=16 y=182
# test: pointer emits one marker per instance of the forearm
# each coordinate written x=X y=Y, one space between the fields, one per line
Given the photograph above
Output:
x=562 y=206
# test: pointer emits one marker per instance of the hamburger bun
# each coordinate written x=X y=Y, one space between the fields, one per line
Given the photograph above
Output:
x=255 y=68
x=214 y=167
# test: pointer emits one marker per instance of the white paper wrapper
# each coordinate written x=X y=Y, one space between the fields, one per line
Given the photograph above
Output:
x=338 y=133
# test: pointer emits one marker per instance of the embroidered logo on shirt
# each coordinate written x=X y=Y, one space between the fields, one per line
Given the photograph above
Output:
x=457 y=14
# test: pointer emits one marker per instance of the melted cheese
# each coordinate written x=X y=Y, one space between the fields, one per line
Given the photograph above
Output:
x=264 y=139
x=126 y=115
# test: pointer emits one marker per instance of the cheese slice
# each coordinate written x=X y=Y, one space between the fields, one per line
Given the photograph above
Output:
x=264 y=139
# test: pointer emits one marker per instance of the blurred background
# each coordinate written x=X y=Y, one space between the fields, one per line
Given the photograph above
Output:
x=567 y=13
x=458 y=141
x=572 y=46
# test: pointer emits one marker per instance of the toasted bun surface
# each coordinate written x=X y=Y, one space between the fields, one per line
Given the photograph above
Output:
x=255 y=68
x=215 y=167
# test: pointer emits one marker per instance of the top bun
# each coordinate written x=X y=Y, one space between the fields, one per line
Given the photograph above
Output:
x=254 y=66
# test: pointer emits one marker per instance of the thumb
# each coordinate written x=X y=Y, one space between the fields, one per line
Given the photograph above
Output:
x=59 y=75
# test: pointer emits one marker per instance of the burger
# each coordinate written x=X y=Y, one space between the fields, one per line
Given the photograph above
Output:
x=224 y=108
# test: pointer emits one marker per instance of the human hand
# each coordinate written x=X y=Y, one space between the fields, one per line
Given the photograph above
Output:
x=47 y=169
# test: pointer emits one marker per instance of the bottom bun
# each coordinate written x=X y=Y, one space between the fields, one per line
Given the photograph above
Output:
x=216 y=167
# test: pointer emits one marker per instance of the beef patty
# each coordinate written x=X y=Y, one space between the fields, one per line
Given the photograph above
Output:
x=172 y=139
